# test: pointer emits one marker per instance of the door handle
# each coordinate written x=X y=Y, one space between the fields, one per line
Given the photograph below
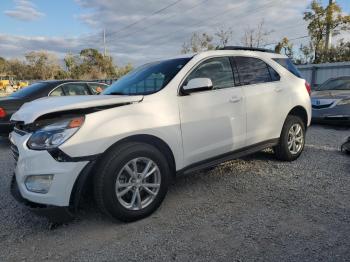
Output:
x=235 y=99
x=278 y=89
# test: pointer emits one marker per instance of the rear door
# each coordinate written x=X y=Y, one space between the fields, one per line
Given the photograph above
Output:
x=212 y=121
x=264 y=97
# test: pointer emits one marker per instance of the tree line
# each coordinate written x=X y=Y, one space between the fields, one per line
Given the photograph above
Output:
x=88 y=64
x=320 y=20
x=91 y=64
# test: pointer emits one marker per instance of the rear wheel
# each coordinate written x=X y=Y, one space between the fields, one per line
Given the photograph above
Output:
x=132 y=181
x=292 y=139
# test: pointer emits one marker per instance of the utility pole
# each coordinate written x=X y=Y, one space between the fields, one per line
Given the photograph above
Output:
x=329 y=18
x=104 y=43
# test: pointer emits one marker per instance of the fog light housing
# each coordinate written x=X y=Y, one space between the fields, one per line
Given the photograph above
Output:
x=38 y=183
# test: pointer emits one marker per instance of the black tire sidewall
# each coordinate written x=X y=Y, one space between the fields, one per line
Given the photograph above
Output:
x=115 y=163
x=283 y=151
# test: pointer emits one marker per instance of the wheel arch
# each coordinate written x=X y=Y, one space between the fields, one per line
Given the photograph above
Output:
x=301 y=112
x=83 y=184
x=155 y=141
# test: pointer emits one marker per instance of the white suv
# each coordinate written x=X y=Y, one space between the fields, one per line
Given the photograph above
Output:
x=164 y=118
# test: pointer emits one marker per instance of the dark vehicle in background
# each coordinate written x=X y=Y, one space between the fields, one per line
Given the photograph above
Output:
x=331 y=101
x=346 y=146
x=11 y=103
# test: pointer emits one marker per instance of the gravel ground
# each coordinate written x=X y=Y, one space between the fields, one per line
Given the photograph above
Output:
x=251 y=209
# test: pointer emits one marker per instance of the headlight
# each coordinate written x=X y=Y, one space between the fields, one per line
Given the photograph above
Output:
x=55 y=134
x=344 y=102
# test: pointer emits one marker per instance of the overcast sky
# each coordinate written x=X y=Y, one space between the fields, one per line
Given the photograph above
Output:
x=135 y=31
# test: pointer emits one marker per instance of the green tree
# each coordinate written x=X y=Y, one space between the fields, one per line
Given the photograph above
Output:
x=18 y=68
x=120 y=71
x=321 y=19
x=3 y=65
x=90 y=64
x=285 y=47
x=42 y=65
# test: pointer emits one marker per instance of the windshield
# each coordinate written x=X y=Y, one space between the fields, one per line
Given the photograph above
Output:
x=29 y=90
x=147 y=79
x=335 y=84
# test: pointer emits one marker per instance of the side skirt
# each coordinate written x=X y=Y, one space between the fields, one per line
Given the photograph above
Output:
x=204 y=164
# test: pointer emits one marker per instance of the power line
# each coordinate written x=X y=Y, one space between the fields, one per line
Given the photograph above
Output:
x=159 y=21
x=211 y=18
x=291 y=39
x=287 y=27
x=145 y=18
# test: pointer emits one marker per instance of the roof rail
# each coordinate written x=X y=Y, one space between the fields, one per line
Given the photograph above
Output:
x=245 y=48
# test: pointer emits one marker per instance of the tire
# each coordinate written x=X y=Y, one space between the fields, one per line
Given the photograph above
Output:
x=283 y=151
x=117 y=166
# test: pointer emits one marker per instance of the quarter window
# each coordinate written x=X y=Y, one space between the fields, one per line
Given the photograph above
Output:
x=254 y=71
x=217 y=69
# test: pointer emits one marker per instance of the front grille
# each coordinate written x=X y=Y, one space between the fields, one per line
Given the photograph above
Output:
x=19 y=131
x=15 y=152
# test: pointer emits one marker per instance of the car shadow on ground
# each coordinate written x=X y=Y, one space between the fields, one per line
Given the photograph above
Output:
x=340 y=127
x=4 y=143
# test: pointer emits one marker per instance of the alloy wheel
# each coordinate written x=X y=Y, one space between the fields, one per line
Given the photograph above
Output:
x=138 y=183
x=295 y=139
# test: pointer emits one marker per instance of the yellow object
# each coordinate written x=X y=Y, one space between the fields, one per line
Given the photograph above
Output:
x=5 y=80
x=9 y=80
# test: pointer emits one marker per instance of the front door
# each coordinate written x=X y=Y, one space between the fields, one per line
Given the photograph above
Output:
x=212 y=121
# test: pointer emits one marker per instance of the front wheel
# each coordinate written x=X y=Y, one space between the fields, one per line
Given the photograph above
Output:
x=292 y=139
x=131 y=181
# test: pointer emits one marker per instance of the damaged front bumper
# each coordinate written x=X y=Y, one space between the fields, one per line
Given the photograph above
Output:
x=54 y=214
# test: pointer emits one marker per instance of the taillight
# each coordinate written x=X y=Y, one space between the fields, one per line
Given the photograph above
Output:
x=2 y=112
x=308 y=87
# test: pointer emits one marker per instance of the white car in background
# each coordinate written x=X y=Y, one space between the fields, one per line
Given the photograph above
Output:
x=164 y=118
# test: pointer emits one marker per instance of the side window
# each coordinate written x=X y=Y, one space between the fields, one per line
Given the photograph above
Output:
x=76 y=89
x=218 y=69
x=57 y=92
x=274 y=75
x=254 y=71
x=97 y=88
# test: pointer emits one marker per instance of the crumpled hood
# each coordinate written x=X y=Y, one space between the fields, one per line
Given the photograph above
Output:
x=29 y=112
x=331 y=94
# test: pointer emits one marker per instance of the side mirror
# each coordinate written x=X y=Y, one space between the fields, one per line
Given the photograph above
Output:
x=197 y=85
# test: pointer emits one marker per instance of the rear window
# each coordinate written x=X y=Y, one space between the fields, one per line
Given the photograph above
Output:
x=287 y=64
x=30 y=90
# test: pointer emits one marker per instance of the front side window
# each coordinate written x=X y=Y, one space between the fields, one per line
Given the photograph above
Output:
x=253 y=71
x=147 y=79
x=217 y=69
x=75 y=89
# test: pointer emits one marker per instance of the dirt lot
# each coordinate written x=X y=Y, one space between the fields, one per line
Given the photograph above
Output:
x=251 y=209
